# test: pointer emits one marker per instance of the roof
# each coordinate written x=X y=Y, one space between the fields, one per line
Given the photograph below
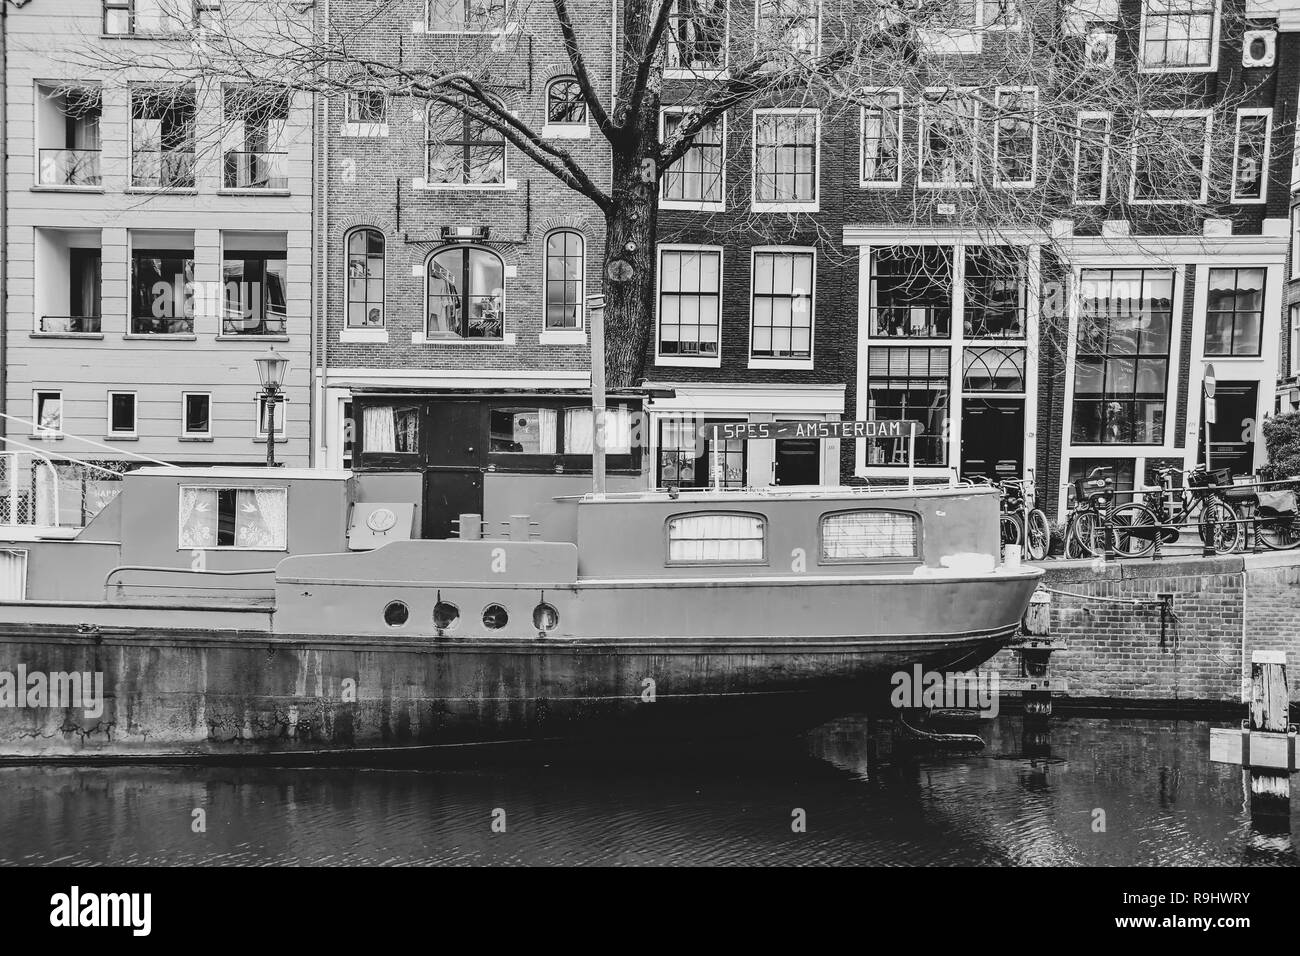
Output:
x=260 y=473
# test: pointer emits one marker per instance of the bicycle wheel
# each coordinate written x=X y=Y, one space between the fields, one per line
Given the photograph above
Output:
x=1010 y=529
x=1228 y=533
x=1134 y=528
x=1280 y=533
x=1038 y=535
x=1084 y=538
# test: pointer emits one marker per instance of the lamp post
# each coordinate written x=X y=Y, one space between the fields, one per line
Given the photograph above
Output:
x=270 y=372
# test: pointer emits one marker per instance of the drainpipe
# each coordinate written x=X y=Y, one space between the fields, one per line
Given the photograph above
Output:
x=4 y=216
x=320 y=183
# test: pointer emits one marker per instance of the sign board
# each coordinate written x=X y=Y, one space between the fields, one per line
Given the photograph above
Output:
x=759 y=431
x=1210 y=412
x=1210 y=381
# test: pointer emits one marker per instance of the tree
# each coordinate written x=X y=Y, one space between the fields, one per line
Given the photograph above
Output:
x=998 y=161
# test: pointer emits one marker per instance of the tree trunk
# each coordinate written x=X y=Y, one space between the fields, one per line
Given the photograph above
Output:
x=629 y=280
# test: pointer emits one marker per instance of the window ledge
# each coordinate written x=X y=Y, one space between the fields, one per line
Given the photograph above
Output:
x=254 y=192
x=196 y=438
x=164 y=336
x=419 y=338
x=681 y=361
x=566 y=131
x=279 y=439
x=687 y=74
x=121 y=438
x=783 y=207
x=46 y=188
x=562 y=337
x=251 y=338
x=685 y=205
x=510 y=185
x=174 y=37
x=93 y=336
x=364 y=335
x=803 y=364
x=364 y=130
x=44 y=436
x=422 y=27
x=163 y=190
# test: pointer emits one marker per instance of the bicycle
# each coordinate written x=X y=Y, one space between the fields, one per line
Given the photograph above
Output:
x=1095 y=528
x=1218 y=521
x=1278 y=522
x=1023 y=520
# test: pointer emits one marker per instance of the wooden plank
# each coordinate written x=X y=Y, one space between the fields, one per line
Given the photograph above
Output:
x=1267 y=751
x=1269 y=701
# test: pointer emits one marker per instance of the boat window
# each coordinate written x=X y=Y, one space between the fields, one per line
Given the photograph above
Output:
x=396 y=614
x=716 y=538
x=394 y=429
x=445 y=615
x=495 y=617
x=579 y=432
x=546 y=617
x=523 y=431
x=870 y=534
x=254 y=519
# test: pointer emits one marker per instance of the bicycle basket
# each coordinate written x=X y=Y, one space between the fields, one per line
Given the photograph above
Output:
x=1086 y=489
x=1279 y=502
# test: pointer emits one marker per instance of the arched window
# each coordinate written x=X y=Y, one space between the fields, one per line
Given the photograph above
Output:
x=464 y=151
x=365 y=279
x=564 y=277
x=565 y=105
x=466 y=293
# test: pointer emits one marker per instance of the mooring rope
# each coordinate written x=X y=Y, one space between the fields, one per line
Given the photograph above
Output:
x=1130 y=602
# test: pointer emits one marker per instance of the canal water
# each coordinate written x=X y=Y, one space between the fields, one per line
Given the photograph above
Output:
x=1107 y=791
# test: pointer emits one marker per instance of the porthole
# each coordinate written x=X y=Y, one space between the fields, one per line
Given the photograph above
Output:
x=445 y=615
x=495 y=617
x=545 y=617
x=396 y=614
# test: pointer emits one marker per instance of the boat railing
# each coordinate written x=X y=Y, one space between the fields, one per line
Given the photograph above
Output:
x=165 y=570
x=769 y=491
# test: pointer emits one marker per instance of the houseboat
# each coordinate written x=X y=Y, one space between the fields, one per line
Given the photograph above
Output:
x=242 y=611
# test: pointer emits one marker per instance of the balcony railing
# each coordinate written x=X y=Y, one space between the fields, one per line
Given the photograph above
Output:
x=70 y=323
x=245 y=170
x=236 y=323
x=70 y=167
x=162 y=169
x=166 y=325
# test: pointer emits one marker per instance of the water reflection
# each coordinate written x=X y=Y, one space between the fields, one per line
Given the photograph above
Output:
x=868 y=795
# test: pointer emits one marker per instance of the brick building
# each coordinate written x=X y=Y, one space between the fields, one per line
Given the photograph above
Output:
x=158 y=238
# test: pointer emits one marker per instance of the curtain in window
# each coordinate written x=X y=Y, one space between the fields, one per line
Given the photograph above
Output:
x=198 y=518
x=862 y=535
x=380 y=428
x=715 y=537
x=261 y=518
x=579 y=433
x=547 y=419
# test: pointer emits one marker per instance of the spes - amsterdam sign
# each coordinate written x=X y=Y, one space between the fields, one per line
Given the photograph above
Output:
x=757 y=431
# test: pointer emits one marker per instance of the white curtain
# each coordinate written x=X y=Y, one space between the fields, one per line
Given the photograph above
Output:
x=261 y=518
x=198 y=518
x=715 y=537
x=547 y=419
x=579 y=432
x=380 y=428
x=863 y=535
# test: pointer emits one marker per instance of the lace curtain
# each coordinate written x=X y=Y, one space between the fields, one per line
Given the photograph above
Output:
x=198 y=518
x=261 y=518
x=579 y=433
x=863 y=535
x=380 y=428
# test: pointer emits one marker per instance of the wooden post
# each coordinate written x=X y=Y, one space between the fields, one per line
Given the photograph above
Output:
x=596 y=322
x=1038 y=616
x=1270 y=790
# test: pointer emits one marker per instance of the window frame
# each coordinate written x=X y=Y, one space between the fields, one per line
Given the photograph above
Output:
x=669 y=562
x=1080 y=117
x=687 y=73
x=691 y=205
x=466 y=295
x=38 y=397
x=353 y=125
x=1208 y=117
x=566 y=129
x=282 y=489
x=998 y=182
x=1265 y=163
x=816 y=8
x=347 y=281
x=197 y=9
x=1215 y=40
x=133 y=431
x=282 y=423
x=1295 y=243
x=761 y=205
x=1236 y=269
x=897 y=181
x=962 y=91
x=670 y=359
x=1293 y=339
x=918 y=526
x=508 y=24
x=465 y=144
x=547 y=329
x=175 y=90
x=185 y=432
x=793 y=362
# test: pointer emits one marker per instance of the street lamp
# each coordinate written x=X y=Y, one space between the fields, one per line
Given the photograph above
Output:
x=270 y=372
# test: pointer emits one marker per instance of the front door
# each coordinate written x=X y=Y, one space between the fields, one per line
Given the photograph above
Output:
x=992 y=438
x=798 y=461
x=453 y=474
x=1232 y=436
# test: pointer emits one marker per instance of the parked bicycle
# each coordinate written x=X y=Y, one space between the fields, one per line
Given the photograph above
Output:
x=1202 y=499
x=1278 y=520
x=1096 y=527
x=1023 y=522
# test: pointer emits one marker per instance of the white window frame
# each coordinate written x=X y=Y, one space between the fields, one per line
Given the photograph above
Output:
x=185 y=433
x=686 y=204
x=507 y=272
x=816 y=6
x=679 y=73
x=897 y=181
x=356 y=128
x=688 y=361
x=282 y=418
x=372 y=333
x=134 y=431
x=1295 y=243
x=180 y=497
x=551 y=130
x=809 y=206
x=921 y=183
x=770 y=362
x=1215 y=39
x=1105 y=155
x=423 y=182
x=578 y=336
x=1266 y=162
x=1208 y=117
x=1033 y=136
x=37 y=430
x=1014 y=25
x=1293 y=339
x=507 y=28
